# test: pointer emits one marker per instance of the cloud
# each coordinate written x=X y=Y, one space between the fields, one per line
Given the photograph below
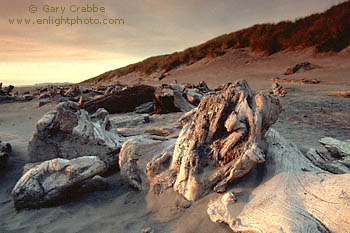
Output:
x=17 y=49
x=152 y=27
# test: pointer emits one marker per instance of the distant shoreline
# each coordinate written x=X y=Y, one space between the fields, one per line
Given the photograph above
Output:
x=37 y=84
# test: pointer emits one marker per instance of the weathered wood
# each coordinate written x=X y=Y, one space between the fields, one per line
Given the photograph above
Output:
x=164 y=100
x=278 y=90
x=69 y=132
x=219 y=142
x=137 y=153
x=145 y=108
x=181 y=103
x=336 y=148
x=294 y=196
x=327 y=163
x=122 y=101
x=193 y=96
x=5 y=150
x=168 y=98
x=53 y=181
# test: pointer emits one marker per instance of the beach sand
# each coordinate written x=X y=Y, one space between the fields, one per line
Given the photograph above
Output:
x=308 y=115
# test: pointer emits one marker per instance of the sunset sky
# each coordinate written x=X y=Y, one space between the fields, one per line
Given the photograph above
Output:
x=35 y=53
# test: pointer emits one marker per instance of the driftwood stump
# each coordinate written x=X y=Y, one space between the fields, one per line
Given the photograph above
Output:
x=220 y=141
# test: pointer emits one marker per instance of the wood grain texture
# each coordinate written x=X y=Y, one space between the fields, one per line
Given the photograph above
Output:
x=294 y=196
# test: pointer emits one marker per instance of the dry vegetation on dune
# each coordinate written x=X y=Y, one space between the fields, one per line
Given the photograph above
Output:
x=327 y=32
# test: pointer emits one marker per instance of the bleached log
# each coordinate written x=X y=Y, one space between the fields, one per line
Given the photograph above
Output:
x=53 y=181
x=335 y=147
x=327 y=163
x=293 y=196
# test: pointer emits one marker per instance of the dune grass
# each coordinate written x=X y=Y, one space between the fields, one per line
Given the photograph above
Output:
x=327 y=32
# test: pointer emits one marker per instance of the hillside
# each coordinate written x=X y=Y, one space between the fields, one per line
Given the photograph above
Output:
x=327 y=32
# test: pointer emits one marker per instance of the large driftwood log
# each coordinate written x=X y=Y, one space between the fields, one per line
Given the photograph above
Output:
x=220 y=141
x=69 y=132
x=55 y=180
x=293 y=196
x=123 y=101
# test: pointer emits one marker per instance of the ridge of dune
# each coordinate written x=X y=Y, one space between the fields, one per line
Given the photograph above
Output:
x=326 y=32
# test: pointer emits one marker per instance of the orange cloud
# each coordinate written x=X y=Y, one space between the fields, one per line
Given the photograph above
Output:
x=152 y=27
x=17 y=49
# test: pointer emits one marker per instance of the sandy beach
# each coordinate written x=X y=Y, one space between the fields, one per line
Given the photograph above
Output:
x=308 y=115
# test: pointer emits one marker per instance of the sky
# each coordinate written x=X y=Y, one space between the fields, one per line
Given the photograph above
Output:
x=48 y=47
